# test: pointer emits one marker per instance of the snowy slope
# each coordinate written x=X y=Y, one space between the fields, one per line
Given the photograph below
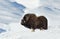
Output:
x=10 y=11
x=31 y=4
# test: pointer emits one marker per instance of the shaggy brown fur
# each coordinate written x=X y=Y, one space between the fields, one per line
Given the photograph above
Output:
x=31 y=21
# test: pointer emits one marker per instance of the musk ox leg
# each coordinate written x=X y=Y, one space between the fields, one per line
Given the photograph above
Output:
x=32 y=30
x=45 y=27
x=41 y=28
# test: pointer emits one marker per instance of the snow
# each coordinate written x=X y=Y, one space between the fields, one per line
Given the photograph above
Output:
x=10 y=12
x=31 y=4
x=17 y=31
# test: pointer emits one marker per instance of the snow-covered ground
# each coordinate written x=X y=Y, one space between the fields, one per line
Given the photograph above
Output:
x=12 y=12
x=9 y=11
x=17 y=31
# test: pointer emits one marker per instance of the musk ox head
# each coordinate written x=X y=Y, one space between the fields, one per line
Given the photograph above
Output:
x=27 y=20
x=31 y=21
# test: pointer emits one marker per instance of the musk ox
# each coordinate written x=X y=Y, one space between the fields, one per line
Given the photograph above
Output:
x=33 y=22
